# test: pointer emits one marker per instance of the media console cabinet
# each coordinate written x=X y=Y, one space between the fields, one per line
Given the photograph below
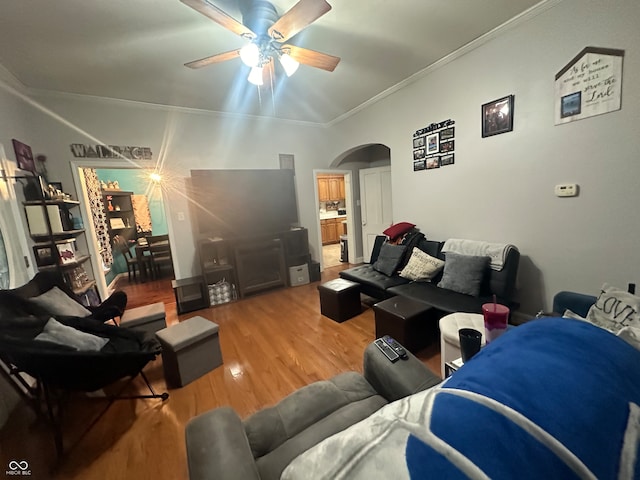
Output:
x=254 y=264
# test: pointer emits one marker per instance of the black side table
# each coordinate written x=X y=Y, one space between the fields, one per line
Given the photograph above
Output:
x=190 y=294
x=406 y=320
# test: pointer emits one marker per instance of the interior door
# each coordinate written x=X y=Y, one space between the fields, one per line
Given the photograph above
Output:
x=375 y=199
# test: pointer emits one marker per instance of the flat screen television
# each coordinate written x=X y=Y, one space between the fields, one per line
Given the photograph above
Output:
x=244 y=203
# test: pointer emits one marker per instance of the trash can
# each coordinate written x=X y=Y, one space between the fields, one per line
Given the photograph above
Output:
x=344 y=249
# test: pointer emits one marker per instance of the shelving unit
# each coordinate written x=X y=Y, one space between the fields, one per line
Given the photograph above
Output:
x=51 y=229
x=216 y=262
x=119 y=214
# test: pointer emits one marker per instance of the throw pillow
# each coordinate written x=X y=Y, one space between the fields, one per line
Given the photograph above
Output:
x=389 y=258
x=464 y=273
x=56 y=302
x=421 y=266
x=615 y=309
x=394 y=231
x=56 y=332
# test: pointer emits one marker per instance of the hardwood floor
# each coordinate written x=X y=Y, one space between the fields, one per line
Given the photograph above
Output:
x=272 y=344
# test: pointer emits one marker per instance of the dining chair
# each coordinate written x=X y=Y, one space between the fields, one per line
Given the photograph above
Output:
x=121 y=245
x=159 y=254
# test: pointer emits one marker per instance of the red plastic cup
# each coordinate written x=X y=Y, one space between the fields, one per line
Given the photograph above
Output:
x=496 y=318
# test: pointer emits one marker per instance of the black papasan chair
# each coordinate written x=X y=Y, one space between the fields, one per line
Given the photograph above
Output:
x=59 y=368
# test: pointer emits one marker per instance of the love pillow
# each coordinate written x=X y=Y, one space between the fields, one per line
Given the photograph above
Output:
x=615 y=309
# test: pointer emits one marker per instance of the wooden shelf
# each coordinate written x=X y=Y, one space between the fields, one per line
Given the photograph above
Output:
x=40 y=238
x=78 y=261
x=69 y=203
x=84 y=288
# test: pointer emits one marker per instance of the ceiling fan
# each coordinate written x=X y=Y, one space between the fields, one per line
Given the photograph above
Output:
x=267 y=34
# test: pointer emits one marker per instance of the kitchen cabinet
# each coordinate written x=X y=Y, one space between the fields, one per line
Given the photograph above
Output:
x=330 y=188
x=334 y=188
x=323 y=189
x=330 y=230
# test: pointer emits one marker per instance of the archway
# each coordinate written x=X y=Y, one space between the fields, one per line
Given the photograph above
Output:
x=348 y=164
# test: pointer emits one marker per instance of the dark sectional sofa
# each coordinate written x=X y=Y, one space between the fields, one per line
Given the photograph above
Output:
x=380 y=286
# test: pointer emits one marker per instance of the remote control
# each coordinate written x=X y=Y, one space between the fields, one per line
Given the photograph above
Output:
x=386 y=349
x=399 y=349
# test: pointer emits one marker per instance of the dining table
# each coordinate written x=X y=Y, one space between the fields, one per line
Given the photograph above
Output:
x=143 y=257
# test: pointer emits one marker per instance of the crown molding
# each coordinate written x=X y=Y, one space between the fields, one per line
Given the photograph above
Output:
x=525 y=16
x=166 y=108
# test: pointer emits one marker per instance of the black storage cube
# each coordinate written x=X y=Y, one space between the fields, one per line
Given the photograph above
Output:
x=340 y=299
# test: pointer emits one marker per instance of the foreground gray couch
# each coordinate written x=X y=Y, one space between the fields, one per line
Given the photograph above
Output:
x=222 y=446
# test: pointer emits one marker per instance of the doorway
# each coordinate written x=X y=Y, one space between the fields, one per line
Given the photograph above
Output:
x=333 y=197
x=132 y=178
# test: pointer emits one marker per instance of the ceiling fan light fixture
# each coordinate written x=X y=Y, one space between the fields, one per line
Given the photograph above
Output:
x=255 y=76
x=289 y=64
x=250 y=55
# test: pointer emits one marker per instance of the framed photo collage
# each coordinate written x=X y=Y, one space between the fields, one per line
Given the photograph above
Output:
x=433 y=146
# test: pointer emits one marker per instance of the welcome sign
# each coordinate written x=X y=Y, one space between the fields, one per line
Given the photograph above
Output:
x=591 y=84
x=80 y=150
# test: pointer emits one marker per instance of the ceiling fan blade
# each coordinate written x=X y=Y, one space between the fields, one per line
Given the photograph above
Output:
x=214 y=13
x=220 y=57
x=297 y=18
x=312 y=58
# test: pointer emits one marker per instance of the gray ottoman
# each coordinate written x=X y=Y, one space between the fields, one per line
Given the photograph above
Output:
x=148 y=318
x=189 y=350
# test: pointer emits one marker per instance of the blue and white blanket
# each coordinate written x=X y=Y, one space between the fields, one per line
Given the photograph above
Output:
x=552 y=399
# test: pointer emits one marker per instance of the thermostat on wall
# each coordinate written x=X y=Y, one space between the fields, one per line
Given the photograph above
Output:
x=566 y=190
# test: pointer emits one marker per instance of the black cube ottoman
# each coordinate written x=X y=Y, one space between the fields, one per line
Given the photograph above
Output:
x=340 y=299
x=406 y=320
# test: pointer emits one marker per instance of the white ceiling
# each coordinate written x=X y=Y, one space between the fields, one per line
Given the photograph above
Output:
x=135 y=50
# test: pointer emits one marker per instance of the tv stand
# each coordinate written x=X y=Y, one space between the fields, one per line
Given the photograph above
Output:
x=260 y=266
x=257 y=264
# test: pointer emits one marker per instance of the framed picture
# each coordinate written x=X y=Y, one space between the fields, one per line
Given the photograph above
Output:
x=56 y=185
x=432 y=143
x=67 y=252
x=446 y=160
x=44 y=255
x=446 y=146
x=571 y=105
x=419 y=153
x=419 y=165
x=24 y=157
x=418 y=142
x=433 y=162
x=497 y=116
x=446 y=134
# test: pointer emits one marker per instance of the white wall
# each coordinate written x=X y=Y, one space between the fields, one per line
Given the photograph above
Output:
x=182 y=140
x=501 y=188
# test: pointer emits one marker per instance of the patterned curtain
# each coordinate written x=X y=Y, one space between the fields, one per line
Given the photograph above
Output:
x=97 y=209
x=142 y=214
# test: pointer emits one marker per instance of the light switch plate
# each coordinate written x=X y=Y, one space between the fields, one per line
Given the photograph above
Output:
x=566 y=190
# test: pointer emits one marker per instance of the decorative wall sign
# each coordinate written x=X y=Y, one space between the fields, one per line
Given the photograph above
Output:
x=497 y=116
x=112 y=151
x=590 y=84
x=429 y=142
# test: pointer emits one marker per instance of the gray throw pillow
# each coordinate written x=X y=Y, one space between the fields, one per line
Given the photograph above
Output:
x=464 y=273
x=56 y=332
x=389 y=259
x=56 y=302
